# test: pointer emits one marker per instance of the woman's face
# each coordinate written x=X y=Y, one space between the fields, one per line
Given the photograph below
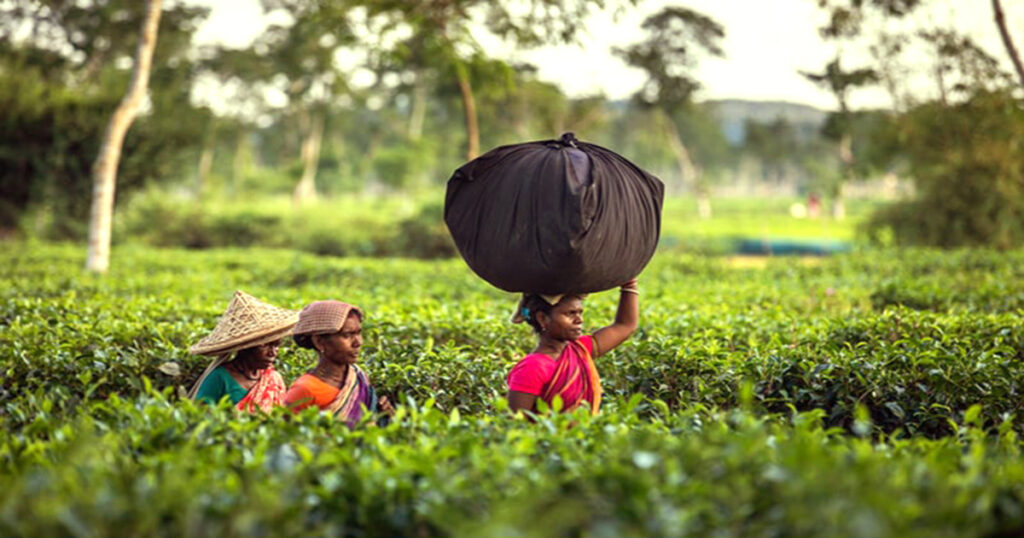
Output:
x=261 y=356
x=565 y=321
x=343 y=346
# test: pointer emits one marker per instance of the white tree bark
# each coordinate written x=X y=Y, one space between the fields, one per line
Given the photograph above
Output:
x=846 y=158
x=469 y=109
x=240 y=163
x=689 y=173
x=203 y=170
x=419 y=107
x=104 y=170
x=305 y=190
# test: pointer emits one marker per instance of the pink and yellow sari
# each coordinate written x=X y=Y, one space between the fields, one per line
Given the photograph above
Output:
x=575 y=380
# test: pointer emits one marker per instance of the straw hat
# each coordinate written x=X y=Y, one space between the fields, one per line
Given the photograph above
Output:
x=322 y=317
x=247 y=322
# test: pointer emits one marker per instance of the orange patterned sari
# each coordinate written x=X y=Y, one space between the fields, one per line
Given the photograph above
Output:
x=265 y=394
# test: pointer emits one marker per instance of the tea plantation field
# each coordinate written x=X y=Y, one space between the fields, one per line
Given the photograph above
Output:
x=877 y=393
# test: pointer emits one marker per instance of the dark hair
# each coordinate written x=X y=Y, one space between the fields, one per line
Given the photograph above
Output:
x=531 y=306
x=303 y=340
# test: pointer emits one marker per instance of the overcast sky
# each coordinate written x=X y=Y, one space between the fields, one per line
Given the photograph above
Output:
x=767 y=42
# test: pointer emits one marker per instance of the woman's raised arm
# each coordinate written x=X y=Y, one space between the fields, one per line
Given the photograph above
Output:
x=626 y=318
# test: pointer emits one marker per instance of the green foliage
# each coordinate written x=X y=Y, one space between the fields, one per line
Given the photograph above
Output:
x=868 y=394
x=968 y=166
x=148 y=466
x=675 y=36
x=401 y=166
x=352 y=226
x=413 y=226
x=926 y=333
x=58 y=88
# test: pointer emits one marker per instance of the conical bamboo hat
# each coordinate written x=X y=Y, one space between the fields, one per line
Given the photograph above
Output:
x=247 y=322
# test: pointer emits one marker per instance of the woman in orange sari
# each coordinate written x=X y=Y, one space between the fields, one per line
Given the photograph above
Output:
x=562 y=364
x=336 y=384
x=244 y=344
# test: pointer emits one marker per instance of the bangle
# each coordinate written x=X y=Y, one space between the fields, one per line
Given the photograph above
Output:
x=634 y=291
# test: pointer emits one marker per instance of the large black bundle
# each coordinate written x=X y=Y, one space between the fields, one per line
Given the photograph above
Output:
x=554 y=216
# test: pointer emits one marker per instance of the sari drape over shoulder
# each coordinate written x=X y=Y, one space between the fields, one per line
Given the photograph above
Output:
x=572 y=376
x=346 y=403
x=575 y=380
x=265 y=394
x=354 y=395
x=268 y=391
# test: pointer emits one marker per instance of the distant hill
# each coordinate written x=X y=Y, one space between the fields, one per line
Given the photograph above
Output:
x=733 y=114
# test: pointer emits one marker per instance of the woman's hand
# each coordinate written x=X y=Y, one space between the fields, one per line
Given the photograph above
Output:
x=385 y=406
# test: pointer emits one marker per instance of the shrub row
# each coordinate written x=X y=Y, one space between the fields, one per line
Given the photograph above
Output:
x=800 y=336
x=374 y=227
x=152 y=467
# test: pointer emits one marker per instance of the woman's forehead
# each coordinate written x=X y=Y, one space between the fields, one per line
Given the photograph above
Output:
x=570 y=303
x=351 y=322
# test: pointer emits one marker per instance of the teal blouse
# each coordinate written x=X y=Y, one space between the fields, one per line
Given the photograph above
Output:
x=219 y=384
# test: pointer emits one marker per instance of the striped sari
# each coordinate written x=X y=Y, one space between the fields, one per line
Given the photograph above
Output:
x=575 y=380
x=355 y=394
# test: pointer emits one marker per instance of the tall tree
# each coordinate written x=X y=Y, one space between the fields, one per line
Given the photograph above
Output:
x=296 y=60
x=959 y=146
x=847 y=21
x=1004 y=33
x=438 y=35
x=676 y=37
x=959 y=65
x=841 y=83
x=105 y=167
x=774 y=145
x=64 y=66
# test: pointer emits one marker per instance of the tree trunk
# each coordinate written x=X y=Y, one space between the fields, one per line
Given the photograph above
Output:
x=1007 y=41
x=239 y=162
x=419 y=107
x=704 y=205
x=689 y=174
x=205 y=163
x=846 y=160
x=306 y=189
x=104 y=169
x=469 y=108
x=940 y=79
x=687 y=171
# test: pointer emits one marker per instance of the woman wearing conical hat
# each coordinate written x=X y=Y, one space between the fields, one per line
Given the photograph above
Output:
x=336 y=384
x=245 y=343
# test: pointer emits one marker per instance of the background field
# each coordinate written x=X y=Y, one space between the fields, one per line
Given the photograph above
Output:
x=873 y=393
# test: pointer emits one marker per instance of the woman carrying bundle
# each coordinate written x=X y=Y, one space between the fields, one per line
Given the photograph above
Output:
x=336 y=384
x=562 y=364
x=245 y=343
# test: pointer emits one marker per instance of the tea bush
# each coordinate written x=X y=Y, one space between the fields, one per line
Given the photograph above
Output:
x=874 y=393
x=917 y=337
x=147 y=466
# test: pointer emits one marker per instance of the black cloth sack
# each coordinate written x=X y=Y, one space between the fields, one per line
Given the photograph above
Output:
x=554 y=216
